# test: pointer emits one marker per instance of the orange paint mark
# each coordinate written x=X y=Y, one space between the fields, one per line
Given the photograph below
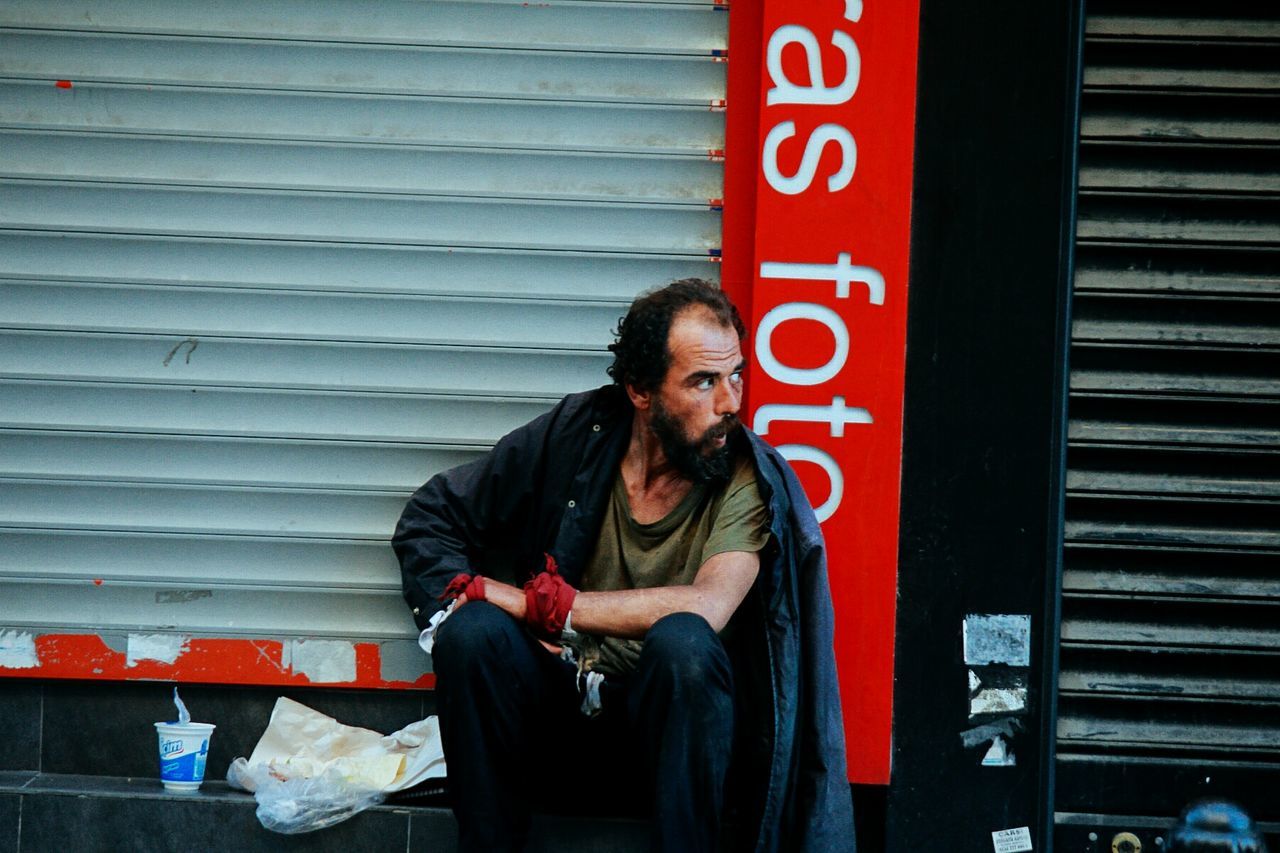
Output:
x=205 y=660
x=717 y=105
x=715 y=154
x=62 y=84
x=97 y=581
x=368 y=662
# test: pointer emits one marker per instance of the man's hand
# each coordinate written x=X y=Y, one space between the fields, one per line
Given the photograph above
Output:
x=506 y=597
x=510 y=600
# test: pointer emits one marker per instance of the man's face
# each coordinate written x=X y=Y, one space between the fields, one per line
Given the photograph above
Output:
x=695 y=409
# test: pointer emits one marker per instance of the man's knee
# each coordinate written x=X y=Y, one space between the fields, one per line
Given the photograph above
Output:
x=476 y=632
x=684 y=646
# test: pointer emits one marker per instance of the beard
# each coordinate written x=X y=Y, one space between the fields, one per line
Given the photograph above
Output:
x=701 y=460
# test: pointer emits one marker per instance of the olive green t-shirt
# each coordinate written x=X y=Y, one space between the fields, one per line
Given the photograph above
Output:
x=712 y=519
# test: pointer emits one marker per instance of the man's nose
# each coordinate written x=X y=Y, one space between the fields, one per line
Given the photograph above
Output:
x=728 y=398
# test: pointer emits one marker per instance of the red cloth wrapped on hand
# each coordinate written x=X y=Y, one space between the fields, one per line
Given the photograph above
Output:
x=472 y=586
x=547 y=602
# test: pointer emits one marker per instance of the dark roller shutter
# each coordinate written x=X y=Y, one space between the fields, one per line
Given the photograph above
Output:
x=1170 y=655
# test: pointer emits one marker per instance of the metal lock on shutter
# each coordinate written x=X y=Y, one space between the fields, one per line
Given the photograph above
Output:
x=1125 y=842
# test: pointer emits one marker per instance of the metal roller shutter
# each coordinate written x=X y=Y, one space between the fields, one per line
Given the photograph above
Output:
x=267 y=265
x=1170 y=643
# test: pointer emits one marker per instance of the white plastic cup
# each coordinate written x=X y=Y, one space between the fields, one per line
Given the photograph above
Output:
x=184 y=748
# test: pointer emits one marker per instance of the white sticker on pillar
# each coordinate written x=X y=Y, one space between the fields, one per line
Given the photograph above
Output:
x=999 y=755
x=997 y=638
x=1012 y=840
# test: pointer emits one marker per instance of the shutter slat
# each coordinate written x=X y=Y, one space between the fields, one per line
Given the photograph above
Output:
x=300 y=265
x=1122 y=683
x=1243 y=324
x=218 y=312
x=189 y=559
x=384 y=119
x=366 y=219
x=1119 y=733
x=688 y=28
x=1182 y=117
x=208 y=608
x=359 y=69
x=278 y=413
x=1194 y=169
x=1219 y=271
x=148 y=507
x=1169 y=25
x=360 y=169
x=228 y=362
x=1112 y=216
x=237 y=462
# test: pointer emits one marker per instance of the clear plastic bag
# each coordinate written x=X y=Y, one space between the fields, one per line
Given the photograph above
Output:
x=301 y=804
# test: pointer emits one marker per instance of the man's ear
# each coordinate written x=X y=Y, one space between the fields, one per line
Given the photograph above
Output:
x=639 y=399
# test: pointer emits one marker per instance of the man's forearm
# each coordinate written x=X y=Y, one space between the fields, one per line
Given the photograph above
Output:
x=631 y=613
x=623 y=613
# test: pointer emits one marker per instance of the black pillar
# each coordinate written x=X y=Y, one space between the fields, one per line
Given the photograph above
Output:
x=984 y=435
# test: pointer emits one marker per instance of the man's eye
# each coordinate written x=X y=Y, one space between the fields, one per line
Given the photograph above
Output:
x=735 y=377
x=705 y=384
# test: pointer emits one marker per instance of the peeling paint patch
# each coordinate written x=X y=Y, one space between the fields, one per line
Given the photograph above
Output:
x=999 y=700
x=323 y=661
x=18 y=650
x=115 y=642
x=974 y=682
x=997 y=638
x=400 y=661
x=165 y=648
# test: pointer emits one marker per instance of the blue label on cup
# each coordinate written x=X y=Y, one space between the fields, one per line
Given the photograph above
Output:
x=188 y=767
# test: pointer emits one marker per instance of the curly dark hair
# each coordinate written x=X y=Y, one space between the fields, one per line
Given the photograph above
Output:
x=640 y=354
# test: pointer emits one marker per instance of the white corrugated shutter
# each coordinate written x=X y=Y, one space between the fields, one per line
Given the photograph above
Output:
x=267 y=265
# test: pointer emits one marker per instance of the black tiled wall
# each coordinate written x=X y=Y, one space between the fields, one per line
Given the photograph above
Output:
x=105 y=728
x=19 y=725
x=111 y=824
x=9 y=805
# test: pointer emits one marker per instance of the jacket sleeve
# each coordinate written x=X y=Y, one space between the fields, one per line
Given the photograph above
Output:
x=459 y=514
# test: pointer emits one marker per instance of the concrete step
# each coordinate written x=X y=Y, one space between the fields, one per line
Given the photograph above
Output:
x=58 y=812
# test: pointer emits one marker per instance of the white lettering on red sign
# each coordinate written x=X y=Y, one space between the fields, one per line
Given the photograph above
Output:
x=828 y=310
x=843 y=272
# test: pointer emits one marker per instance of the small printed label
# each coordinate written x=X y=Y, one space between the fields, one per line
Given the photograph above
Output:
x=1012 y=840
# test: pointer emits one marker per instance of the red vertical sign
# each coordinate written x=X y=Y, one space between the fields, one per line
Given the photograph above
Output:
x=829 y=308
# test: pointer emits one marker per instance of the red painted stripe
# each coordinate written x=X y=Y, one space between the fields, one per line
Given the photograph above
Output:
x=206 y=660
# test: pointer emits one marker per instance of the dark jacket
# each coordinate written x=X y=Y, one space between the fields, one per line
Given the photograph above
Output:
x=544 y=488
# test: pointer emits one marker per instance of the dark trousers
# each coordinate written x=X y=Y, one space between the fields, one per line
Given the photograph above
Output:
x=513 y=734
